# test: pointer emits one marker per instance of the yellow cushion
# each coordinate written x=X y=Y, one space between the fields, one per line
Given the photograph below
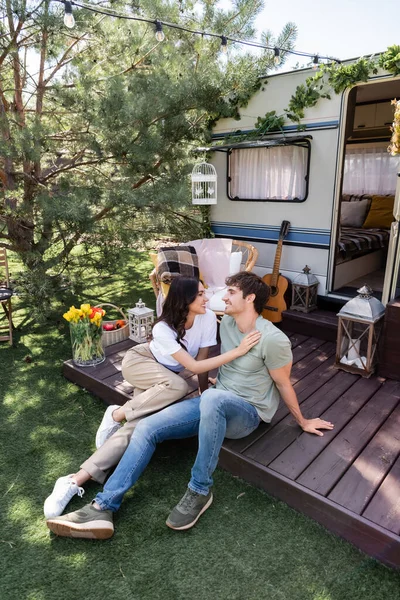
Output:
x=380 y=214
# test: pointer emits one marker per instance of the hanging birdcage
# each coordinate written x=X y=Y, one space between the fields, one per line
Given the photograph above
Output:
x=204 y=184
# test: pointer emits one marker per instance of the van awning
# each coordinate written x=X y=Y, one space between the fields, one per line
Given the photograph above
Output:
x=278 y=141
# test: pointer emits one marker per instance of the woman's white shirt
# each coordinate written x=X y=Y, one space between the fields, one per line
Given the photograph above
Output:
x=203 y=333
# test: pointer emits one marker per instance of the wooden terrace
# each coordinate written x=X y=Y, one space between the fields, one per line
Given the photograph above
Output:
x=348 y=480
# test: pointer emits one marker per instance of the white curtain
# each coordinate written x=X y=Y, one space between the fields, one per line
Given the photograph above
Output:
x=276 y=173
x=370 y=171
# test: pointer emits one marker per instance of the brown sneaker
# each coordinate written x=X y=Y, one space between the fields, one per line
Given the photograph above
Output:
x=88 y=522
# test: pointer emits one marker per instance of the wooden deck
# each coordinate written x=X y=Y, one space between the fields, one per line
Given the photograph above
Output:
x=348 y=480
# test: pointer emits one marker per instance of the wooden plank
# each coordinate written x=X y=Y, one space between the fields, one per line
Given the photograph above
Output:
x=360 y=482
x=305 y=348
x=311 y=361
x=304 y=388
x=365 y=535
x=296 y=339
x=268 y=449
x=384 y=508
x=304 y=450
x=104 y=391
x=325 y=471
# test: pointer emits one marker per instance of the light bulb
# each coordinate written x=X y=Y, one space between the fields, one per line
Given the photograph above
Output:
x=277 y=57
x=160 y=37
x=224 y=44
x=69 y=20
x=315 y=63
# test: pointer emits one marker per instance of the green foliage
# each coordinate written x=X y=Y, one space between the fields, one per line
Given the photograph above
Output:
x=340 y=77
x=97 y=147
x=271 y=122
x=390 y=60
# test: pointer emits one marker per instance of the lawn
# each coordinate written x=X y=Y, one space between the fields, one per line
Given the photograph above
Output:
x=247 y=546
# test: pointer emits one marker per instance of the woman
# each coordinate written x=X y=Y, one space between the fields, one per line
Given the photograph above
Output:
x=181 y=339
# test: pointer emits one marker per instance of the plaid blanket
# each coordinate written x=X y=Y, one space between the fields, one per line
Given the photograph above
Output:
x=177 y=260
x=355 y=242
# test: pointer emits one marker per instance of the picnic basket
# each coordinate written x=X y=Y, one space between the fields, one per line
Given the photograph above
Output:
x=117 y=335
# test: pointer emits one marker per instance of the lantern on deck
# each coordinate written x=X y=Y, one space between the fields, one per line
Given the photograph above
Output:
x=359 y=330
x=140 y=322
x=304 y=291
x=204 y=184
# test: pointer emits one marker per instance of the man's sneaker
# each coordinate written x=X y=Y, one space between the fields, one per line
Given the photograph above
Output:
x=107 y=426
x=63 y=491
x=187 y=512
x=88 y=522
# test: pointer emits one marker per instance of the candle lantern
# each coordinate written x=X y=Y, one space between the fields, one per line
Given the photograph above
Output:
x=140 y=322
x=204 y=184
x=359 y=330
x=304 y=291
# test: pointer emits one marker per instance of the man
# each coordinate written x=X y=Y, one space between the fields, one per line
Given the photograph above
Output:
x=246 y=392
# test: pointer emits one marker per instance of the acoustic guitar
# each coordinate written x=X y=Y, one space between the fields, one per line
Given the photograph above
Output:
x=278 y=284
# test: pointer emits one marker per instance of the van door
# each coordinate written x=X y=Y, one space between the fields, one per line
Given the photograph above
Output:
x=391 y=287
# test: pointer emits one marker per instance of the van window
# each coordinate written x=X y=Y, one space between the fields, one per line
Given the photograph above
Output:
x=269 y=173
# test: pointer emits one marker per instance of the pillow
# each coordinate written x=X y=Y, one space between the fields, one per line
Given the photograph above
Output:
x=381 y=213
x=235 y=261
x=216 y=302
x=352 y=214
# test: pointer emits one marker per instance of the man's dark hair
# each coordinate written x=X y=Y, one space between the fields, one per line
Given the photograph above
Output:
x=250 y=283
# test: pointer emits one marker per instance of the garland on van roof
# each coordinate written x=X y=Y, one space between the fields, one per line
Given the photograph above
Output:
x=333 y=78
x=394 y=147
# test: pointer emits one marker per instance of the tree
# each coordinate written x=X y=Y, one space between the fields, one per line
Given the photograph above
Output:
x=98 y=123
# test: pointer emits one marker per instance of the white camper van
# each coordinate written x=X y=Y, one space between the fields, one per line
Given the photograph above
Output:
x=334 y=180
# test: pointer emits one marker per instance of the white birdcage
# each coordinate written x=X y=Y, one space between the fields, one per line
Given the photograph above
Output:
x=204 y=184
x=140 y=322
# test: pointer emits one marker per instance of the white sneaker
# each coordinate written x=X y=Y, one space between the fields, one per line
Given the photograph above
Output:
x=107 y=426
x=63 y=491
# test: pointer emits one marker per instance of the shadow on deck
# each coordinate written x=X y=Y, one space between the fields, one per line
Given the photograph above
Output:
x=348 y=480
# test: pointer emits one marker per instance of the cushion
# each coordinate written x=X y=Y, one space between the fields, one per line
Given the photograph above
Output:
x=216 y=302
x=381 y=213
x=173 y=261
x=352 y=214
x=235 y=261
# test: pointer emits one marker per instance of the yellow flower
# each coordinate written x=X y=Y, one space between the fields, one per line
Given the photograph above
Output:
x=86 y=309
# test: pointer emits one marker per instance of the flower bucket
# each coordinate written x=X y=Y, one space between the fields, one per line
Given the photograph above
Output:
x=87 y=348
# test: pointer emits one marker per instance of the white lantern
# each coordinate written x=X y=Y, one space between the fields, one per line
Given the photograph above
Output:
x=305 y=291
x=140 y=322
x=204 y=184
x=359 y=330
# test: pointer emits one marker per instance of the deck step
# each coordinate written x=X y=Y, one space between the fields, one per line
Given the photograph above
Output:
x=320 y=323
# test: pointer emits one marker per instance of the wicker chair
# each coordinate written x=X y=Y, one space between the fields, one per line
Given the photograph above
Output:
x=5 y=299
x=249 y=252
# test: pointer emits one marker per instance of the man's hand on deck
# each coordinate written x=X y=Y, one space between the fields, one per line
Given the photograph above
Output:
x=314 y=425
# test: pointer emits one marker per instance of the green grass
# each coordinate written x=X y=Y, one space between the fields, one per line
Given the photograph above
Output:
x=247 y=546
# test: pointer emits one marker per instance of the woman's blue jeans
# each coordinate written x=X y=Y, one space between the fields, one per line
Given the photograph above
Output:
x=213 y=416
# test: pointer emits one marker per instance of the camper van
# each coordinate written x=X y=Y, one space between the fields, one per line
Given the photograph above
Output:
x=332 y=179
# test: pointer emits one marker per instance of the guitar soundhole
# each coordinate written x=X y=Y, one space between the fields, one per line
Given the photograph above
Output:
x=274 y=290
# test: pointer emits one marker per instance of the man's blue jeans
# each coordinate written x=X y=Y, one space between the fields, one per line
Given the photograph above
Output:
x=213 y=416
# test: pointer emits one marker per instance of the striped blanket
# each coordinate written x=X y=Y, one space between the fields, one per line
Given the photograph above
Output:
x=356 y=242
x=173 y=261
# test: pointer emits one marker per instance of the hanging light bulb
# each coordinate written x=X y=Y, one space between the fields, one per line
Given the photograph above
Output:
x=224 y=44
x=277 y=56
x=160 y=37
x=69 y=20
x=315 y=63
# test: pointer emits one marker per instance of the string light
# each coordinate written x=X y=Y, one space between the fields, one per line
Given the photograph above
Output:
x=224 y=44
x=315 y=63
x=82 y=4
x=69 y=20
x=160 y=37
x=277 y=56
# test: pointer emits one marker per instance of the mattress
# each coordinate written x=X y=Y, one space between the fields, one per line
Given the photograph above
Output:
x=355 y=242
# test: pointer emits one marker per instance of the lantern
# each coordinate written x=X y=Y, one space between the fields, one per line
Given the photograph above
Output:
x=204 y=184
x=359 y=330
x=140 y=321
x=304 y=291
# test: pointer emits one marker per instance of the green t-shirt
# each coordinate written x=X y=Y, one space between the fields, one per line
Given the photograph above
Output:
x=248 y=376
